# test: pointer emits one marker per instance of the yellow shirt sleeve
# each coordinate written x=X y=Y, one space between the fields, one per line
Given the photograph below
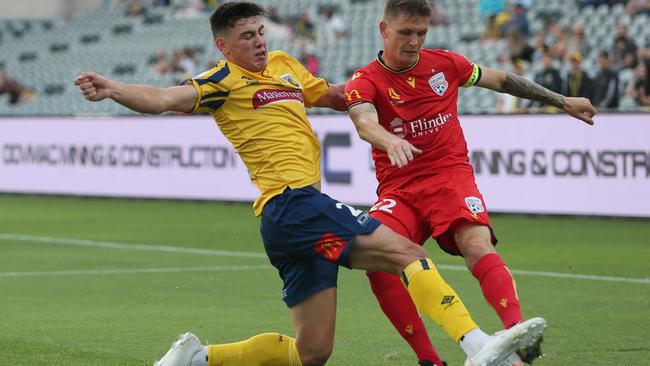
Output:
x=313 y=87
x=211 y=89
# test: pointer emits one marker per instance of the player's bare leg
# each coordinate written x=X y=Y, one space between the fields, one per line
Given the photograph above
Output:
x=315 y=319
x=497 y=283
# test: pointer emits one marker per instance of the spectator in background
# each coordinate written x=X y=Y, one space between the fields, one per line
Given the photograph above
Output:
x=559 y=48
x=14 y=91
x=519 y=20
x=439 y=18
x=518 y=46
x=492 y=31
x=637 y=92
x=135 y=9
x=637 y=7
x=274 y=16
x=624 y=50
x=577 y=83
x=605 y=83
x=191 y=9
x=309 y=59
x=584 y=3
x=540 y=47
x=334 y=27
x=487 y=8
x=304 y=28
x=549 y=78
x=187 y=61
x=577 y=42
x=161 y=3
x=161 y=64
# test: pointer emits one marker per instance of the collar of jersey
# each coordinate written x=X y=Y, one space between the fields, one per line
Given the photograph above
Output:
x=381 y=62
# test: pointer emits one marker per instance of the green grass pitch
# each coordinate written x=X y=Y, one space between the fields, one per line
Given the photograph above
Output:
x=114 y=281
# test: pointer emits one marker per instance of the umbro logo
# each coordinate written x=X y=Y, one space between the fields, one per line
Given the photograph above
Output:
x=447 y=300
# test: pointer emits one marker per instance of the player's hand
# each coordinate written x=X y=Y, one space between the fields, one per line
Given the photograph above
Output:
x=580 y=108
x=94 y=87
x=401 y=152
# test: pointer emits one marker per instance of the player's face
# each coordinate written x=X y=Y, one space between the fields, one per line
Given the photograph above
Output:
x=245 y=44
x=403 y=36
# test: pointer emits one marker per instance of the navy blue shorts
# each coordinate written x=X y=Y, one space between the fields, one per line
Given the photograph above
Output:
x=307 y=236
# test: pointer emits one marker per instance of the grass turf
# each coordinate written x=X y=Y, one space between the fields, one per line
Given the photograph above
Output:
x=119 y=318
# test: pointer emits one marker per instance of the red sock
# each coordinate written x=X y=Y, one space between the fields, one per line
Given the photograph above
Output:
x=396 y=303
x=499 y=288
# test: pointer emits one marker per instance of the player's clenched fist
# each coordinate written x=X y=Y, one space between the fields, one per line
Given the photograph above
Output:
x=401 y=152
x=94 y=87
x=580 y=108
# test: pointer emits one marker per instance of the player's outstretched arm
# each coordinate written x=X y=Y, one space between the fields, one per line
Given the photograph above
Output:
x=504 y=82
x=334 y=98
x=140 y=98
x=399 y=151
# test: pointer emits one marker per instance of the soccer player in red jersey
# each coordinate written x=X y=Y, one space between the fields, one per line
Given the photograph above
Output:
x=405 y=105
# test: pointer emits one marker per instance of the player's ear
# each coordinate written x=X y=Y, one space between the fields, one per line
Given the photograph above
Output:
x=221 y=44
x=382 y=28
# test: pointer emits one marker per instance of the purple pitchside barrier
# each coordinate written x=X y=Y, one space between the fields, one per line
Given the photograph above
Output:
x=532 y=164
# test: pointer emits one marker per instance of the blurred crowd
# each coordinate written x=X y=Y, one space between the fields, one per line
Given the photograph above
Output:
x=621 y=79
x=554 y=56
x=12 y=91
x=300 y=30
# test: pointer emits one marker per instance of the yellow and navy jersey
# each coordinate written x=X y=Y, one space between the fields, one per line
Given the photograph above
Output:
x=263 y=115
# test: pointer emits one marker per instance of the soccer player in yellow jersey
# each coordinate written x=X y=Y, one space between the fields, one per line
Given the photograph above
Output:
x=258 y=100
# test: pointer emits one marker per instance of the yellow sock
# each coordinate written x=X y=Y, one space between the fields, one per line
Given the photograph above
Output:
x=436 y=299
x=268 y=349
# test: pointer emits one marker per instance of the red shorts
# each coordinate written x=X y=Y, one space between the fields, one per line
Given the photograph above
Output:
x=434 y=206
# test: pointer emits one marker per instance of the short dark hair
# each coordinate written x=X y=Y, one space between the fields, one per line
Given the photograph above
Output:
x=226 y=15
x=394 y=8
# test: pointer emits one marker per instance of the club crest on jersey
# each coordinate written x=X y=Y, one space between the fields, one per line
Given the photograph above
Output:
x=438 y=83
x=474 y=204
x=289 y=79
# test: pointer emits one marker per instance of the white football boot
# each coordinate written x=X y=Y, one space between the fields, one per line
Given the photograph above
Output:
x=181 y=352
x=505 y=343
x=513 y=360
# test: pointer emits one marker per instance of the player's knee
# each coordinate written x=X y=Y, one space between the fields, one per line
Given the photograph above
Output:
x=316 y=355
x=475 y=244
x=409 y=252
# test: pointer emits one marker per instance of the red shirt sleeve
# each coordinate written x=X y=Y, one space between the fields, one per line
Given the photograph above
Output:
x=359 y=89
x=467 y=70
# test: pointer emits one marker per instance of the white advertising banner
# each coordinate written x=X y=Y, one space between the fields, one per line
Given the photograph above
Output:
x=528 y=164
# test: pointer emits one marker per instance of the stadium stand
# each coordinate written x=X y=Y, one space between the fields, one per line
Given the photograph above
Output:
x=45 y=55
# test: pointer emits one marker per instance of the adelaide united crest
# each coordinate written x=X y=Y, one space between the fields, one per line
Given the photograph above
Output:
x=438 y=83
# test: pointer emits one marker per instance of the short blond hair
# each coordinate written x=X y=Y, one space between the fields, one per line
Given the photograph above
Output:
x=395 y=8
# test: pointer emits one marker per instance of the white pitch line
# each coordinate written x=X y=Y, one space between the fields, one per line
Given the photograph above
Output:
x=113 y=271
x=573 y=276
x=172 y=249
x=129 y=246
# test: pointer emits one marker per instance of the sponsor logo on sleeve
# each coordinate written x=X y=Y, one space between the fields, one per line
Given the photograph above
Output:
x=353 y=95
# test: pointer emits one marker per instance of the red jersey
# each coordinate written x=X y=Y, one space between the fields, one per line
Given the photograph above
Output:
x=418 y=104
